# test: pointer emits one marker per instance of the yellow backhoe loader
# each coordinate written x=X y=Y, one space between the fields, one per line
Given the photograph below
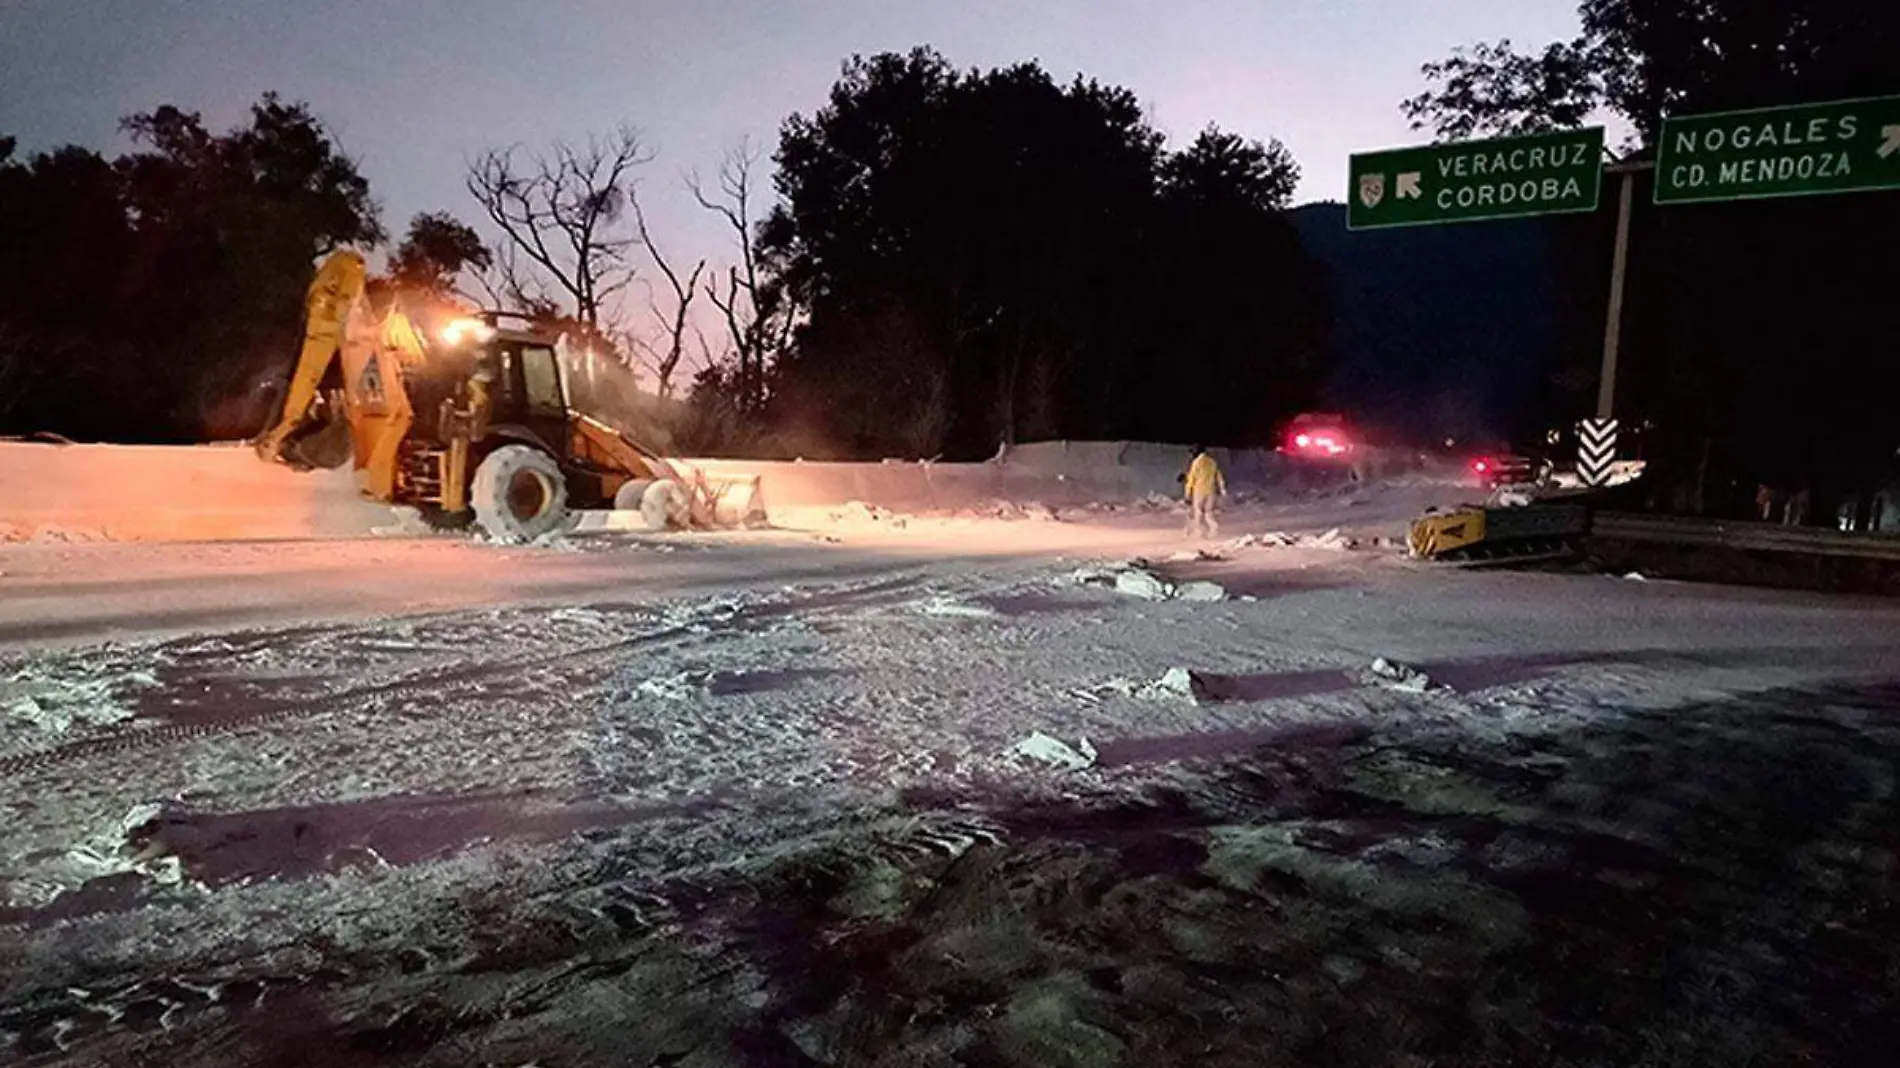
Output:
x=469 y=421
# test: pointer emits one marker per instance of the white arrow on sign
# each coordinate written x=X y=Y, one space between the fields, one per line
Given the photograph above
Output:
x=1408 y=184
x=1887 y=147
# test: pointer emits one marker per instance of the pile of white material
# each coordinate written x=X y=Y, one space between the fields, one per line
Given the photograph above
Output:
x=1153 y=502
x=52 y=701
x=1011 y=511
x=408 y=524
x=860 y=513
x=1137 y=581
x=1333 y=539
x=685 y=686
x=121 y=845
x=946 y=605
x=1396 y=676
x=1176 y=684
x=1202 y=591
x=1040 y=748
x=1621 y=471
x=553 y=539
x=1511 y=497
x=1189 y=556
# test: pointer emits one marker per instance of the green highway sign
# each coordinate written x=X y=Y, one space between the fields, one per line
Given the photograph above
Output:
x=1504 y=178
x=1841 y=147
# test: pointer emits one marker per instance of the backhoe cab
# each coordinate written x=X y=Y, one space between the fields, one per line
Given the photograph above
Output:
x=468 y=420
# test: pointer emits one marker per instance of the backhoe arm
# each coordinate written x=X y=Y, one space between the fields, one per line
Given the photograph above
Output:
x=337 y=287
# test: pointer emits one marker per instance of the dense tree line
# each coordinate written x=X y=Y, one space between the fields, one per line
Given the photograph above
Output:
x=158 y=296
x=955 y=260
x=986 y=257
x=1759 y=335
x=150 y=297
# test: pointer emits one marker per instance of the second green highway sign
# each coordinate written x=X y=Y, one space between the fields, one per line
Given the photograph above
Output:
x=1842 y=147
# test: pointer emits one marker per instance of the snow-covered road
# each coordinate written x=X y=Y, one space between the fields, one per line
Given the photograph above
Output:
x=58 y=593
x=927 y=792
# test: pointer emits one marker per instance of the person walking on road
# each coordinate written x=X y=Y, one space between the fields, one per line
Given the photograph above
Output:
x=1205 y=486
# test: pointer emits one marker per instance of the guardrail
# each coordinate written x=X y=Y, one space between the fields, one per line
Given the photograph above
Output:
x=1745 y=536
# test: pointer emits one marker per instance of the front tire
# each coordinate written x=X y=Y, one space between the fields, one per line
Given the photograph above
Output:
x=519 y=494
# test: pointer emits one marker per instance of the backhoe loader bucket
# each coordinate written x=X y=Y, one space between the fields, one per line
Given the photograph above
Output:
x=322 y=444
x=722 y=502
x=734 y=502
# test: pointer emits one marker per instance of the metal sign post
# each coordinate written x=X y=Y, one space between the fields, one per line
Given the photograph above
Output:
x=1619 y=270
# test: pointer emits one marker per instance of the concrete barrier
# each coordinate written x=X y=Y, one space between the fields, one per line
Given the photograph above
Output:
x=171 y=493
x=899 y=486
x=955 y=486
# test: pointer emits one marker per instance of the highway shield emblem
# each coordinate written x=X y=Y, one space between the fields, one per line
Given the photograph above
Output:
x=1371 y=189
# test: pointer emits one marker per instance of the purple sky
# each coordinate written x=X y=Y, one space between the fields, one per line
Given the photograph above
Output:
x=413 y=88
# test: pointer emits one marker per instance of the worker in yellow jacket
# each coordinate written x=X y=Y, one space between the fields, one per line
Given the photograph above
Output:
x=1204 y=485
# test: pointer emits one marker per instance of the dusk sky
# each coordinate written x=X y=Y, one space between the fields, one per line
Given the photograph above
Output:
x=413 y=89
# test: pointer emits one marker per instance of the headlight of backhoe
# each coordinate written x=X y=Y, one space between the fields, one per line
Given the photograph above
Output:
x=463 y=331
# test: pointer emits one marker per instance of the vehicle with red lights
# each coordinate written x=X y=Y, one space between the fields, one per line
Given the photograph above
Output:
x=1319 y=436
x=1494 y=470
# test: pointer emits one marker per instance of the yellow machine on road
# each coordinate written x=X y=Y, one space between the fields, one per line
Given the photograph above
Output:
x=468 y=421
x=1475 y=535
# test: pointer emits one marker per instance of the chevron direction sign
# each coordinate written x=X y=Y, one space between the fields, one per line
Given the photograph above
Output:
x=1596 y=451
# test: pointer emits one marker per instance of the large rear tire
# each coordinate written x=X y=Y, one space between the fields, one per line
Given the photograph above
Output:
x=519 y=494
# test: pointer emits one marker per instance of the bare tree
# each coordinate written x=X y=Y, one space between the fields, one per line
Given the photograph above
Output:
x=758 y=316
x=673 y=326
x=706 y=357
x=561 y=215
